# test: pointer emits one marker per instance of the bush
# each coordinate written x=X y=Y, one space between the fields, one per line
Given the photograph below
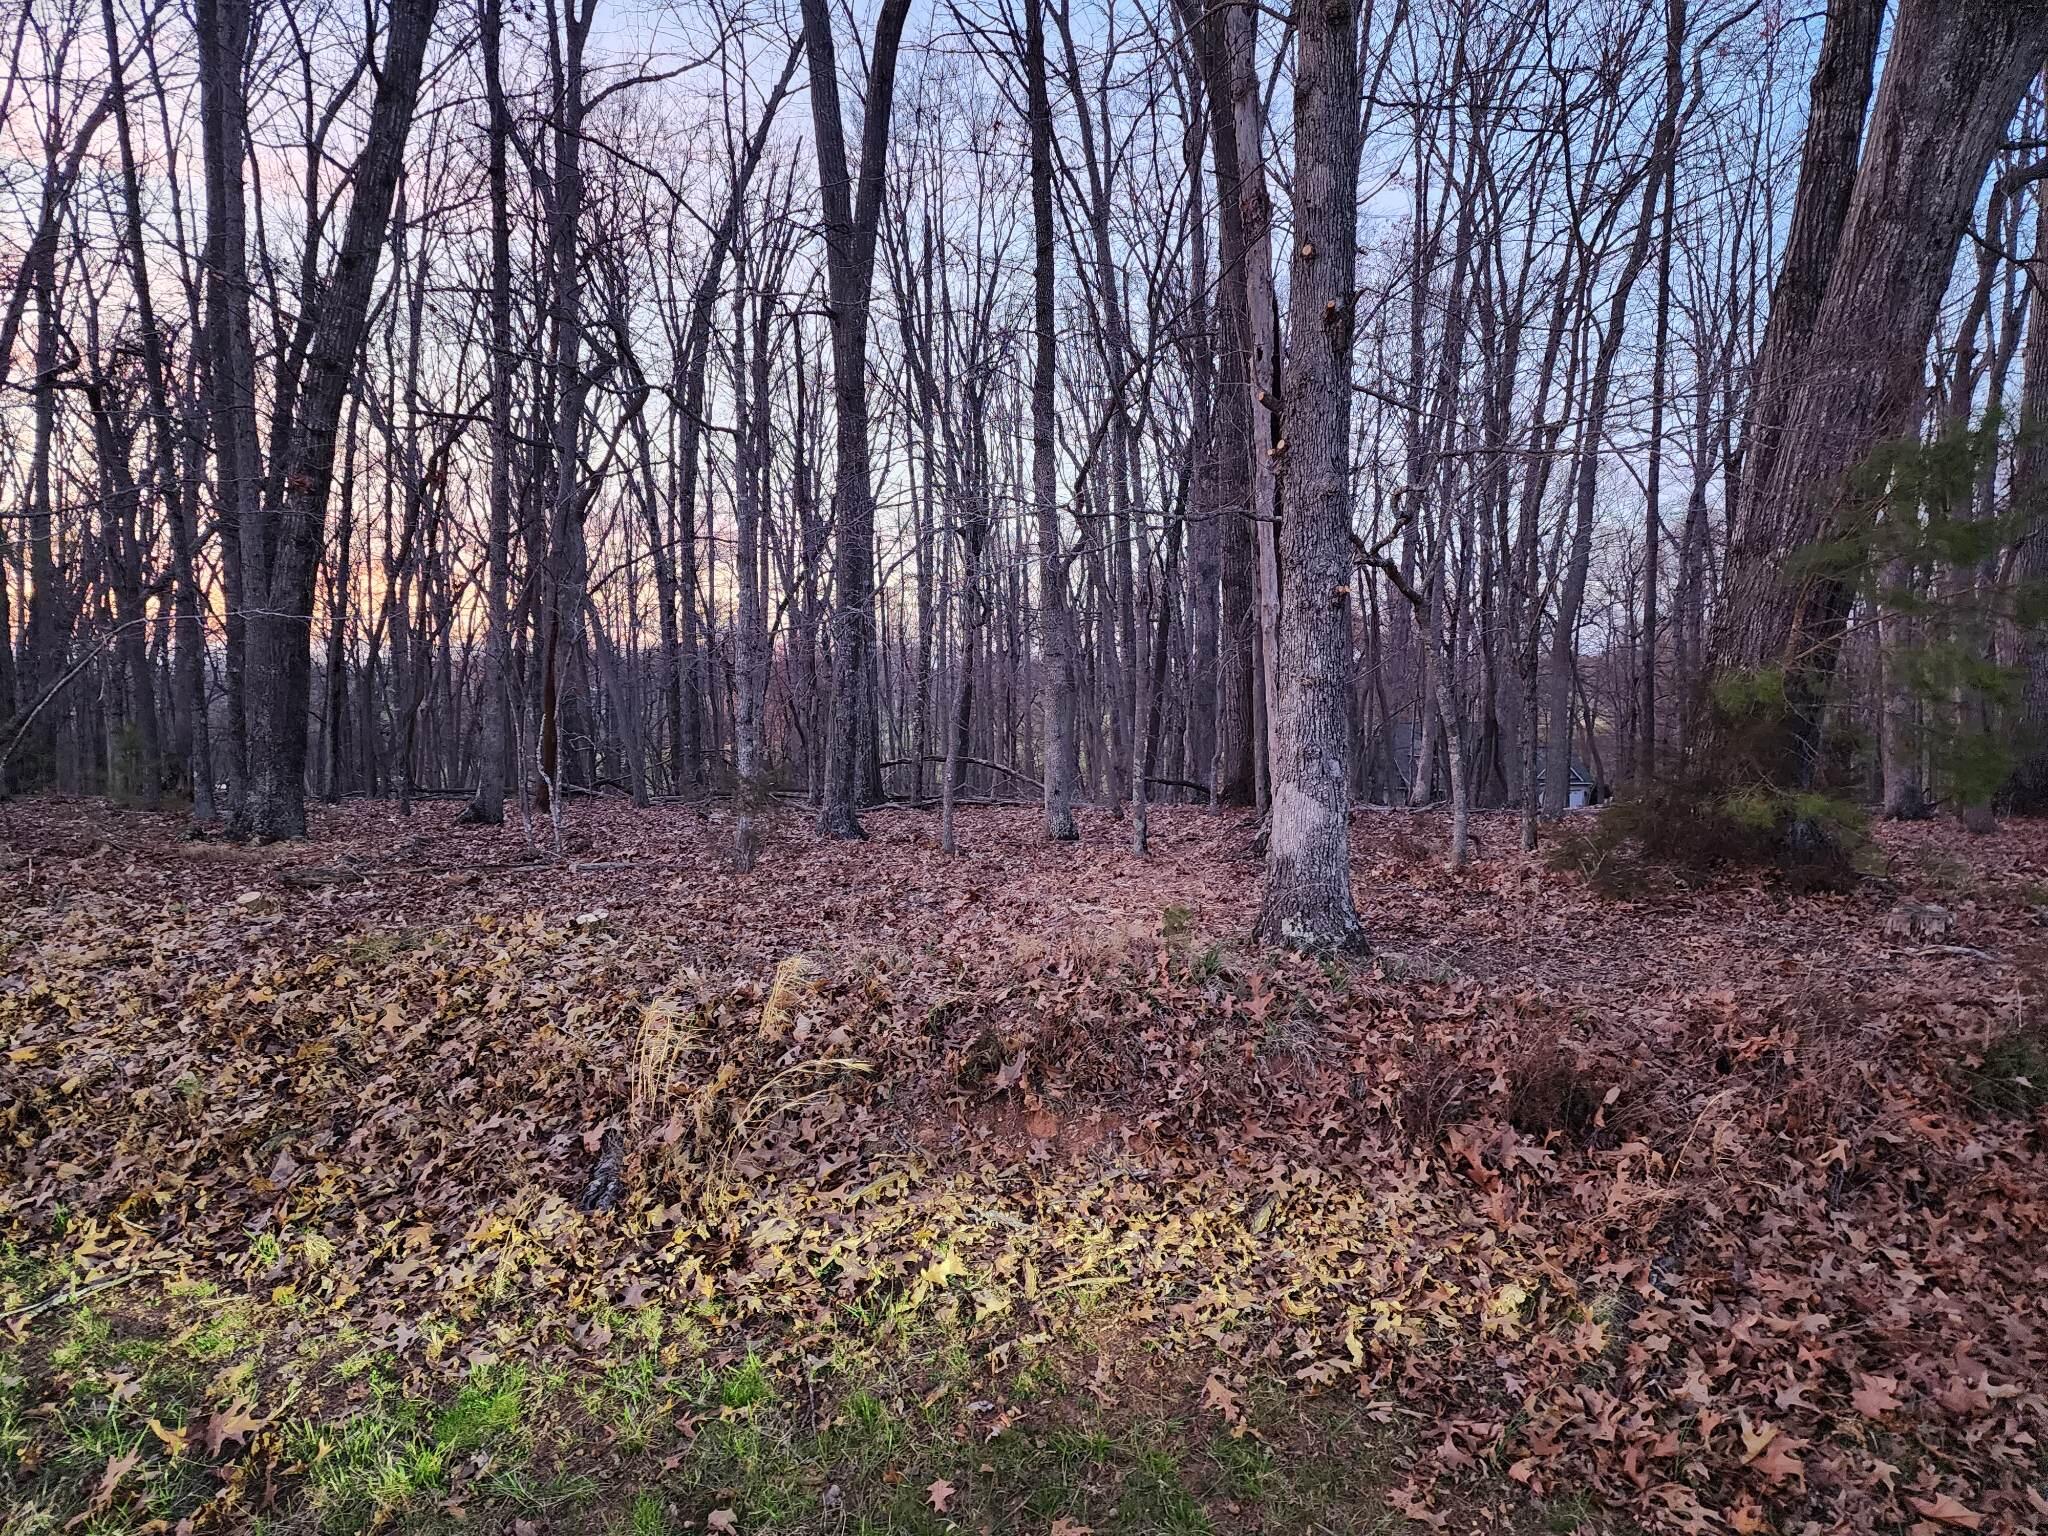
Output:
x=1688 y=835
x=1552 y=1094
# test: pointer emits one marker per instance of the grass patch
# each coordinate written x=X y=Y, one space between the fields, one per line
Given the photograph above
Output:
x=627 y=1445
x=745 y=1385
x=401 y=1454
x=2012 y=1079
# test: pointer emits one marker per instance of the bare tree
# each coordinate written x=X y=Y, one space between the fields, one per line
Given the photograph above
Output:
x=1308 y=900
x=850 y=220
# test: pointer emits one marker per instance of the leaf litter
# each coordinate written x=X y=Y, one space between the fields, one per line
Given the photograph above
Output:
x=1706 y=1208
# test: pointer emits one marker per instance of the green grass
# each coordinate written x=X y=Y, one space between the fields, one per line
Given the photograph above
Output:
x=1246 y=1466
x=745 y=1385
x=485 y=1412
x=2013 y=1078
x=399 y=1453
x=645 y=1517
x=649 y=1438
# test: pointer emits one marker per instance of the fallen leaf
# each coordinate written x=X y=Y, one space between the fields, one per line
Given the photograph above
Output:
x=1943 y=1510
x=235 y=1423
x=941 y=1494
x=173 y=1439
x=1216 y=1394
x=117 y=1468
x=1876 y=1396
x=1778 y=1463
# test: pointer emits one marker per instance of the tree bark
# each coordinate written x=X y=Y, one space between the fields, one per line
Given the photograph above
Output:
x=1837 y=105
x=281 y=548
x=1952 y=81
x=1308 y=901
x=1058 y=641
x=487 y=805
x=849 y=223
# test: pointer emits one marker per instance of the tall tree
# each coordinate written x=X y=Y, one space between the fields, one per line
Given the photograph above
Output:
x=280 y=543
x=1308 y=901
x=849 y=225
x=487 y=805
x=1059 y=641
x=1952 y=80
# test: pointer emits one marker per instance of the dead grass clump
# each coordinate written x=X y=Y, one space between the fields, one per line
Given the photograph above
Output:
x=219 y=852
x=1435 y=1090
x=1408 y=846
x=664 y=1038
x=1409 y=965
x=796 y=981
x=1553 y=1092
x=2012 y=1077
x=983 y=1060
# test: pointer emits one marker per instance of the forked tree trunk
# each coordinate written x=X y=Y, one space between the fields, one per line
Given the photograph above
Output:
x=1224 y=561
x=849 y=226
x=1059 y=640
x=281 y=551
x=1262 y=344
x=188 y=708
x=1953 y=79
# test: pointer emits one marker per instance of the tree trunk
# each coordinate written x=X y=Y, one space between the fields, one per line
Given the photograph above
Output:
x=2027 y=794
x=281 y=548
x=849 y=226
x=1837 y=105
x=1307 y=900
x=487 y=805
x=1953 y=79
x=1059 y=680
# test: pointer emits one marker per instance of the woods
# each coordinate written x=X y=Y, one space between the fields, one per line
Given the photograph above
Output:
x=510 y=409
x=1034 y=767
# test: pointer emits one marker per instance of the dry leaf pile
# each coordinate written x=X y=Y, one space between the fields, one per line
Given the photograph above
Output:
x=1715 y=1205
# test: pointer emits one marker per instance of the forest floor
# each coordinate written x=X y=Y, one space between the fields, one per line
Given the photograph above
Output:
x=1007 y=1193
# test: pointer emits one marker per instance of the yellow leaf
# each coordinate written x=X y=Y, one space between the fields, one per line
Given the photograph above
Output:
x=173 y=1439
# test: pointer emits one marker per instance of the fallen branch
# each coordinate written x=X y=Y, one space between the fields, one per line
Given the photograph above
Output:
x=1958 y=949
x=76 y=1293
x=978 y=762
